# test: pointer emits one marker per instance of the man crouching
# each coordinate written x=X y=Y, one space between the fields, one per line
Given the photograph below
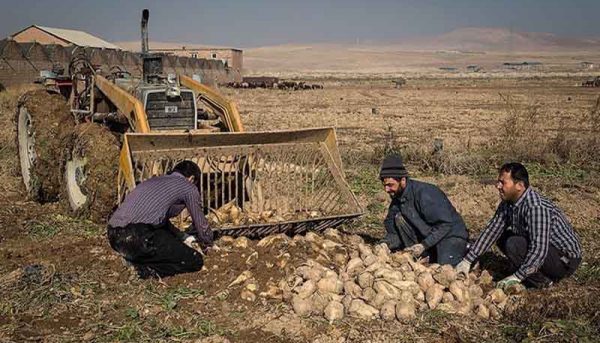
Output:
x=141 y=232
x=420 y=218
x=533 y=233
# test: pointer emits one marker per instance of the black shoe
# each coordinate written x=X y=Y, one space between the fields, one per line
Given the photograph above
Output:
x=538 y=280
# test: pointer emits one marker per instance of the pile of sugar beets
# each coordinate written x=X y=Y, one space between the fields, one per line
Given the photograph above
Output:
x=351 y=278
x=232 y=214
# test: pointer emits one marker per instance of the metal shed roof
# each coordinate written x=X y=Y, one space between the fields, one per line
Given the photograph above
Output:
x=79 y=38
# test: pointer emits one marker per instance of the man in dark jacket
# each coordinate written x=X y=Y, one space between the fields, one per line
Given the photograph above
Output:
x=141 y=232
x=420 y=218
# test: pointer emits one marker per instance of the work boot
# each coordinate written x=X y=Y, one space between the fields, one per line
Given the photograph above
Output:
x=538 y=280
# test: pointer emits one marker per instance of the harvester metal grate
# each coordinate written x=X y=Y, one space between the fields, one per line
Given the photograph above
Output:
x=281 y=187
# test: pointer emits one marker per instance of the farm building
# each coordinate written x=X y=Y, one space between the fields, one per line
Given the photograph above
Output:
x=232 y=58
x=63 y=37
x=26 y=53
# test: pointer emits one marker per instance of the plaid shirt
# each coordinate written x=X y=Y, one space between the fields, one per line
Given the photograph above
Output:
x=540 y=221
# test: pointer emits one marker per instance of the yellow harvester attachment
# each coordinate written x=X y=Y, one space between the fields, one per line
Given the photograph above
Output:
x=253 y=183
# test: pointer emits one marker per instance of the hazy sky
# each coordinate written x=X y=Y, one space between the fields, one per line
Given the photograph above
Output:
x=246 y=24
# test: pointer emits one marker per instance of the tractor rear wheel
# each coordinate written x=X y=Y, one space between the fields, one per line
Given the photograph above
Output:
x=42 y=121
x=90 y=172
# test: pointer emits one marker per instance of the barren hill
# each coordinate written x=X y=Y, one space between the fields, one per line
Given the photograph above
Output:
x=486 y=47
x=503 y=40
x=136 y=45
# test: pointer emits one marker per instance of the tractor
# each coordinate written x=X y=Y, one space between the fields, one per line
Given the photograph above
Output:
x=115 y=130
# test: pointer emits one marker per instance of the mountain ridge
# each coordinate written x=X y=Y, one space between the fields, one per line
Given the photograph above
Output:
x=496 y=39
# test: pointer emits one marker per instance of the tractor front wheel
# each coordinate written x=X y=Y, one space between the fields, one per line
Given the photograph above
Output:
x=90 y=172
x=43 y=120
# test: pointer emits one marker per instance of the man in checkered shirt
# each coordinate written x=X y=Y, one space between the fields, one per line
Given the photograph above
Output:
x=530 y=230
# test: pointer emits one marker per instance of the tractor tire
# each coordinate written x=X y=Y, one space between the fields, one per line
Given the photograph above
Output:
x=90 y=172
x=43 y=120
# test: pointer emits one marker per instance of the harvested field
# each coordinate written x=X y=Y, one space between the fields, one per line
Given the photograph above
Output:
x=62 y=282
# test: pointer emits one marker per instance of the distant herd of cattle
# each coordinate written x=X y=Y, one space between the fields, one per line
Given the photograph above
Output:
x=272 y=82
x=595 y=82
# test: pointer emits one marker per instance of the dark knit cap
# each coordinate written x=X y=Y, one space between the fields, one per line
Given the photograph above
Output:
x=392 y=166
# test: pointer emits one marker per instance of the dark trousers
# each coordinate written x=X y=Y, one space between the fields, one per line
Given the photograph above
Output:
x=154 y=251
x=555 y=267
x=449 y=250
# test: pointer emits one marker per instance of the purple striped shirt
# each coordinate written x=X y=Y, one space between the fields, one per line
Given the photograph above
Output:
x=157 y=199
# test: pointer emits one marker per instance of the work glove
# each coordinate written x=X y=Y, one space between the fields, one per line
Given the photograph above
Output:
x=416 y=250
x=463 y=267
x=193 y=243
x=381 y=242
x=189 y=240
x=508 y=281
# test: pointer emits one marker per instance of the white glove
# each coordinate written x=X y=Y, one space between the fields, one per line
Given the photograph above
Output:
x=463 y=267
x=507 y=281
x=189 y=240
x=416 y=250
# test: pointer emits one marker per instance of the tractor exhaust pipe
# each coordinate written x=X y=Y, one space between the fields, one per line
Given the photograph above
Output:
x=152 y=64
x=145 y=16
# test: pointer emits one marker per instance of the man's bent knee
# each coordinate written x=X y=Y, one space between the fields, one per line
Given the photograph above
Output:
x=451 y=251
x=515 y=245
